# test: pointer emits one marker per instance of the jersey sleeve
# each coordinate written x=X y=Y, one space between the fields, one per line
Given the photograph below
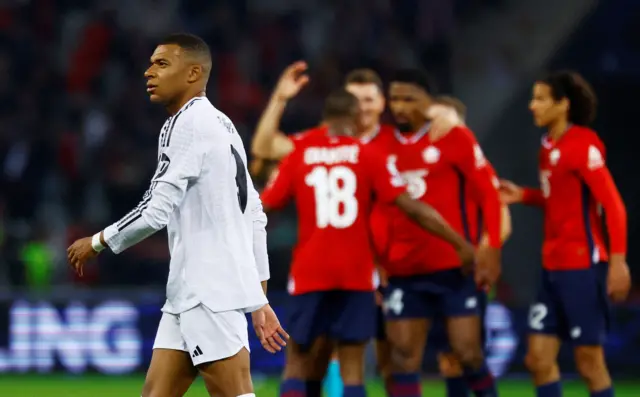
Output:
x=180 y=163
x=385 y=178
x=259 y=221
x=589 y=158
x=471 y=162
x=532 y=196
x=279 y=189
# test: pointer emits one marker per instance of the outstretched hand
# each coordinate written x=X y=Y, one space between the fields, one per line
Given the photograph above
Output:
x=268 y=329
x=292 y=80
x=443 y=118
x=510 y=193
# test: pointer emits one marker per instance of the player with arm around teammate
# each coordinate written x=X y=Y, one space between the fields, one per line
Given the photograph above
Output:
x=425 y=278
x=202 y=193
x=332 y=178
x=580 y=275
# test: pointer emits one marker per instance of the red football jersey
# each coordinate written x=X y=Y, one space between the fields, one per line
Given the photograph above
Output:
x=453 y=176
x=379 y=221
x=574 y=182
x=333 y=181
x=299 y=138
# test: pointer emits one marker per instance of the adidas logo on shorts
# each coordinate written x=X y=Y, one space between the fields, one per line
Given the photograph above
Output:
x=196 y=352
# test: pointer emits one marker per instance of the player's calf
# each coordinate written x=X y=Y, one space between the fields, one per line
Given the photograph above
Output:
x=591 y=366
x=541 y=361
x=305 y=367
x=383 y=359
x=465 y=337
x=451 y=370
x=351 y=358
x=408 y=339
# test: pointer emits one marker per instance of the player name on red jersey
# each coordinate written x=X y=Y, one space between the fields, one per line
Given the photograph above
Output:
x=332 y=180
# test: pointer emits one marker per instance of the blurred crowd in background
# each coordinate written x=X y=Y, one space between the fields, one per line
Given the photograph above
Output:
x=78 y=136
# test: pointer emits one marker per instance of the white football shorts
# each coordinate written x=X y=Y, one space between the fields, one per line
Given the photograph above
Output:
x=206 y=335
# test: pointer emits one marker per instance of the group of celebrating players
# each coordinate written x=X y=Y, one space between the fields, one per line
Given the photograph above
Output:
x=410 y=219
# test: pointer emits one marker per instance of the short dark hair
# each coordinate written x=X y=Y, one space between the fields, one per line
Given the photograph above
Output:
x=416 y=77
x=190 y=43
x=454 y=103
x=339 y=103
x=572 y=86
x=364 y=76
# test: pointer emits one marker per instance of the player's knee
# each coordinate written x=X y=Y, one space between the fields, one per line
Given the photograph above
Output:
x=352 y=357
x=154 y=389
x=352 y=373
x=383 y=358
x=449 y=366
x=539 y=364
x=406 y=359
x=294 y=368
x=469 y=355
x=590 y=363
x=384 y=369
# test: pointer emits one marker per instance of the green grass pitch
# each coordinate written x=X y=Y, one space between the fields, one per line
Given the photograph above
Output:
x=102 y=386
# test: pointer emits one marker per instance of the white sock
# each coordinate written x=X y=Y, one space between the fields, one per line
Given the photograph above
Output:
x=248 y=395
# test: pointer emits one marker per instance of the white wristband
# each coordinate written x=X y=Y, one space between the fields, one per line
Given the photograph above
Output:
x=96 y=244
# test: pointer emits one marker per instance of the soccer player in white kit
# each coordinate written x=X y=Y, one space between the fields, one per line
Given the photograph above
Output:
x=202 y=193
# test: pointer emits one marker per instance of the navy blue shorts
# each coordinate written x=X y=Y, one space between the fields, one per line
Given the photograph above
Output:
x=573 y=305
x=447 y=293
x=381 y=332
x=438 y=337
x=343 y=316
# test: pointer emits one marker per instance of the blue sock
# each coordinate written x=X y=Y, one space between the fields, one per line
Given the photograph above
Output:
x=313 y=388
x=603 y=393
x=457 y=387
x=481 y=382
x=354 y=391
x=553 y=389
x=406 y=385
x=333 y=381
x=292 y=388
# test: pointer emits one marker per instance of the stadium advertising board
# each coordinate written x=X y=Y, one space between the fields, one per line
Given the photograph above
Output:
x=115 y=336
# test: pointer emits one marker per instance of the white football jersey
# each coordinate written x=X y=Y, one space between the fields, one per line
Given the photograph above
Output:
x=203 y=194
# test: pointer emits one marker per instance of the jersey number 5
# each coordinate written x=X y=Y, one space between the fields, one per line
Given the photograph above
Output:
x=241 y=180
x=334 y=188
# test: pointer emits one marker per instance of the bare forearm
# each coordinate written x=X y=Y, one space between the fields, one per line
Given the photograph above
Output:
x=267 y=138
x=432 y=221
x=429 y=219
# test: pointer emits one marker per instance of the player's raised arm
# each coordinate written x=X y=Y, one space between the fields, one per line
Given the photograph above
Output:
x=268 y=141
x=596 y=175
